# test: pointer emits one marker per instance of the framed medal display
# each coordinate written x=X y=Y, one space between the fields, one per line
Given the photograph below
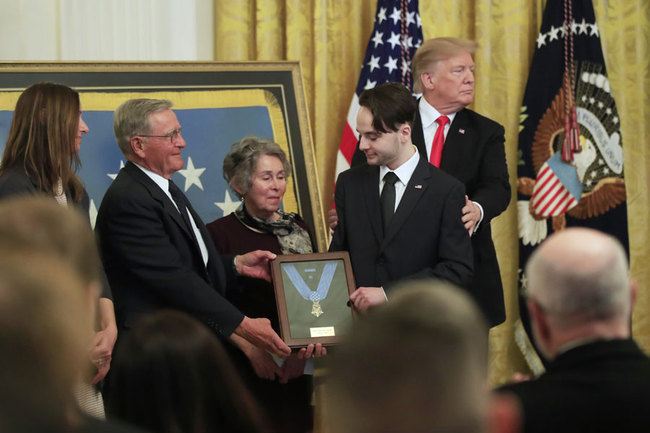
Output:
x=312 y=293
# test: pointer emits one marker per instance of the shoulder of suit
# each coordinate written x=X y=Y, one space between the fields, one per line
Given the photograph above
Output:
x=358 y=170
x=441 y=177
x=474 y=117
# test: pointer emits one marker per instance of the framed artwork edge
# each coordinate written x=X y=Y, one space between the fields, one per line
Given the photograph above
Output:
x=15 y=76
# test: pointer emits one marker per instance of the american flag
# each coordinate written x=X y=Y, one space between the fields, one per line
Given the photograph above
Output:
x=557 y=188
x=396 y=35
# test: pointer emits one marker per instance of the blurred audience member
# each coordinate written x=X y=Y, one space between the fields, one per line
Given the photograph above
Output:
x=417 y=365
x=48 y=297
x=580 y=300
x=257 y=171
x=172 y=375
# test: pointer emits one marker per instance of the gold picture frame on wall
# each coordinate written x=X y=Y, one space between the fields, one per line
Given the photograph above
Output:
x=216 y=103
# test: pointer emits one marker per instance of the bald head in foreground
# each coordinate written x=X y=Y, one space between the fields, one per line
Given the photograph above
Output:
x=580 y=299
x=417 y=364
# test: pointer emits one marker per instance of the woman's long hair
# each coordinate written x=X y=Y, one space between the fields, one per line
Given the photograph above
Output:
x=42 y=137
x=172 y=375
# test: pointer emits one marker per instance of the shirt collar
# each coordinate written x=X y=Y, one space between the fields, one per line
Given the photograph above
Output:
x=404 y=171
x=158 y=179
x=428 y=114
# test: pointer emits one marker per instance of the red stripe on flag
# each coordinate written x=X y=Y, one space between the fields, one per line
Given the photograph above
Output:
x=550 y=185
x=561 y=199
x=348 y=143
x=555 y=192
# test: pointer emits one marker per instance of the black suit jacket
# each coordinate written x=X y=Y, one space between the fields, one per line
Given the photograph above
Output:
x=599 y=387
x=474 y=153
x=425 y=237
x=152 y=261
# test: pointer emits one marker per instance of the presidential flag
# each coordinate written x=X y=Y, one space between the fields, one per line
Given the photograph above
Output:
x=396 y=36
x=570 y=170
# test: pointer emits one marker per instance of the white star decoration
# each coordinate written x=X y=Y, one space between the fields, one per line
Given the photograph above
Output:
x=227 y=206
x=377 y=38
x=553 y=33
x=394 y=40
x=395 y=16
x=114 y=175
x=192 y=175
x=381 y=16
x=373 y=63
x=391 y=64
x=581 y=28
x=370 y=84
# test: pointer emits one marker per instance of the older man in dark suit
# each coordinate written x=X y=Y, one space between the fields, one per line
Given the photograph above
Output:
x=399 y=216
x=468 y=146
x=156 y=250
x=580 y=301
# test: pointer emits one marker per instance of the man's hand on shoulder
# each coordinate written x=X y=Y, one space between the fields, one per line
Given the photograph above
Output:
x=471 y=215
x=332 y=219
x=255 y=264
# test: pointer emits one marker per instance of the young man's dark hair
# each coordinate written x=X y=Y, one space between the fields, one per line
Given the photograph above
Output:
x=391 y=105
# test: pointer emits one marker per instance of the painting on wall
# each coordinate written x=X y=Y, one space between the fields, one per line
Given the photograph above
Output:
x=217 y=104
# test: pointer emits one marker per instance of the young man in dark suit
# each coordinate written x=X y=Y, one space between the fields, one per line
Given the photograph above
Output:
x=405 y=227
x=470 y=148
x=156 y=250
x=580 y=301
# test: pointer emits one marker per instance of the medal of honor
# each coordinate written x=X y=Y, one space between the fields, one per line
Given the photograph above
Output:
x=315 y=296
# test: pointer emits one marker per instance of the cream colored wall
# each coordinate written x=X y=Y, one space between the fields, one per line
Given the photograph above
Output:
x=88 y=30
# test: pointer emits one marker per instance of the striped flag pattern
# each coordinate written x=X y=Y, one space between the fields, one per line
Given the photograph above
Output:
x=396 y=35
x=557 y=188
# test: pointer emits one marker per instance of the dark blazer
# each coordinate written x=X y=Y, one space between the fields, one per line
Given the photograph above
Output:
x=425 y=237
x=152 y=261
x=599 y=387
x=16 y=183
x=474 y=153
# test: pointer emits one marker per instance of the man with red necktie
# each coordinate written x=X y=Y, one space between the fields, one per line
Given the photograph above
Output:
x=466 y=145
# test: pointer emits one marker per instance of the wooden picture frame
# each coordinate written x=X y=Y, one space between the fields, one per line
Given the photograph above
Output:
x=216 y=103
x=312 y=293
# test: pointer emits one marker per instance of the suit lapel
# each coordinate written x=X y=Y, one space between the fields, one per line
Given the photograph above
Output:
x=158 y=195
x=370 y=193
x=458 y=144
x=412 y=195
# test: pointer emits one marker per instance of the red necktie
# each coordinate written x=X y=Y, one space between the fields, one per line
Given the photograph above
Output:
x=438 y=141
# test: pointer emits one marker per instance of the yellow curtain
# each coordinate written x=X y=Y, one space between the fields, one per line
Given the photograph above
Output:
x=329 y=38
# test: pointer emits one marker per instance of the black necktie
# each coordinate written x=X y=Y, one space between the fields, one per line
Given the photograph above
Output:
x=387 y=198
x=182 y=203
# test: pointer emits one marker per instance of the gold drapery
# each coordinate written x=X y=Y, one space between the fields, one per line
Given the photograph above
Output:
x=329 y=38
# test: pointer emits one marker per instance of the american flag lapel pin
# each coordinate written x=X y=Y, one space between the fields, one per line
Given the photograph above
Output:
x=418 y=186
x=461 y=130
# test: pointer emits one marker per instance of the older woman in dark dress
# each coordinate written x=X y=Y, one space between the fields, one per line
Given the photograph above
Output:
x=257 y=171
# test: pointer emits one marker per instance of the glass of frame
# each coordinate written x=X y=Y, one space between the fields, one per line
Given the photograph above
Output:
x=312 y=293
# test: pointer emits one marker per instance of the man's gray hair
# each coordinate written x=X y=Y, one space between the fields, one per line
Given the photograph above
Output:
x=587 y=281
x=132 y=118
